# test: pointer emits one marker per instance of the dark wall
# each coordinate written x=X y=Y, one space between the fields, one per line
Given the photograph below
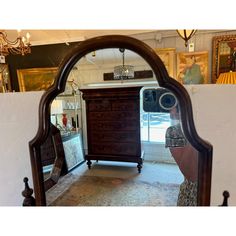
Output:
x=40 y=56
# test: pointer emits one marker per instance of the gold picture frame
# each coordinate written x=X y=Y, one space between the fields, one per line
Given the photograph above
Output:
x=36 y=79
x=168 y=56
x=192 y=67
x=222 y=49
x=5 y=80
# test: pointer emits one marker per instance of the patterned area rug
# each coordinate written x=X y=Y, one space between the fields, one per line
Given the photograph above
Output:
x=107 y=191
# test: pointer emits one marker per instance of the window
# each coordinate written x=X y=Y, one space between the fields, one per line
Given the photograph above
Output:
x=153 y=126
x=154 y=119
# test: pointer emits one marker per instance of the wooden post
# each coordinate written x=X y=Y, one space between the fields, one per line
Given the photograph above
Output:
x=27 y=193
x=226 y=196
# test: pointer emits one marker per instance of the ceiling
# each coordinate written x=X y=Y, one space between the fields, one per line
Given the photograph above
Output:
x=102 y=57
x=39 y=37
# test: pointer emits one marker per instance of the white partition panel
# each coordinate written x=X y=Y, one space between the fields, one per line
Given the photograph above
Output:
x=18 y=125
x=214 y=116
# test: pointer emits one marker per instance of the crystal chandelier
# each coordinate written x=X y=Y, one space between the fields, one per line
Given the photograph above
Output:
x=21 y=45
x=123 y=71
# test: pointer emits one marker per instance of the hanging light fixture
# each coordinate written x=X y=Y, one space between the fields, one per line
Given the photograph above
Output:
x=123 y=71
x=186 y=35
x=21 y=45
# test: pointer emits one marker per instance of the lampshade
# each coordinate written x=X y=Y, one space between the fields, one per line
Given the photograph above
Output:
x=56 y=107
x=186 y=35
x=227 y=78
x=123 y=71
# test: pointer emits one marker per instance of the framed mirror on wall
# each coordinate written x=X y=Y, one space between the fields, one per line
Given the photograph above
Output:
x=5 y=80
x=223 y=55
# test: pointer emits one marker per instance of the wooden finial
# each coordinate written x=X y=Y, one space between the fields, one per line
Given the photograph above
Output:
x=226 y=196
x=27 y=193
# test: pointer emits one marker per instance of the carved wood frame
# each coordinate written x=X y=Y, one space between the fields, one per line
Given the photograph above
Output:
x=216 y=55
x=118 y=41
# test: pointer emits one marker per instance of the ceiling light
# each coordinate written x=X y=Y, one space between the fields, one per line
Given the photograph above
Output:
x=186 y=35
x=123 y=71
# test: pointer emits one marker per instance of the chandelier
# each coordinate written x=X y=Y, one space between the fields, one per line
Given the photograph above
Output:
x=21 y=45
x=123 y=71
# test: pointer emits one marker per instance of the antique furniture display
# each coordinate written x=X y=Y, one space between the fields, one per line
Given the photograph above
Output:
x=113 y=125
x=223 y=55
x=164 y=80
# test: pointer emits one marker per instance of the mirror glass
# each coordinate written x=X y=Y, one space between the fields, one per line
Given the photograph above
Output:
x=62 y=150
x=169 y=162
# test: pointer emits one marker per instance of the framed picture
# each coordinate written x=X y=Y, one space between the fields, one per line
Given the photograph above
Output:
x=223 y=55
x=36 y=79
x=5 y=81
x=192 y=67
x=168 y=57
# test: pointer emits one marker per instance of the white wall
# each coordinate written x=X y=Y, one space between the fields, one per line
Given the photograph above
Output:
x=170 y=39
x=18 y=125
x=214 y=117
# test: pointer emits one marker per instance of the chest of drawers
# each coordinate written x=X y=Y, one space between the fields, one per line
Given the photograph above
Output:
x=113 y=124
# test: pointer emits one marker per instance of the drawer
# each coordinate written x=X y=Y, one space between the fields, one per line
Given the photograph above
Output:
x=125 y=105
x=115 y=149
x=114 y=116
x=125 y=125
x=99 y=105
x=117 y=136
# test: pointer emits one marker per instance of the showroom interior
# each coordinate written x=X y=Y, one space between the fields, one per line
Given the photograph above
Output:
x=104 y=127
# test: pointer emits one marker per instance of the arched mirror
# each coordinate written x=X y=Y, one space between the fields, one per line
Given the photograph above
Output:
x=123 y=110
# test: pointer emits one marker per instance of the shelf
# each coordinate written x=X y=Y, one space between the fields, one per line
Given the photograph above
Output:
x=71 y=106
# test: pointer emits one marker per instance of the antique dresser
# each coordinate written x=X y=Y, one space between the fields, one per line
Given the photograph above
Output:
x=113 y=124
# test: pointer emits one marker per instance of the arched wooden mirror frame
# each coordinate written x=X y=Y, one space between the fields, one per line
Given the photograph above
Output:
x=148 y=54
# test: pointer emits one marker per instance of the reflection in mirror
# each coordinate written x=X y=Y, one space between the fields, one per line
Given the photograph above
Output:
x=169 y=160
x=52 y=157
x=186 y=157
x=62 y=150
x=163 y=125
x=97 y=68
